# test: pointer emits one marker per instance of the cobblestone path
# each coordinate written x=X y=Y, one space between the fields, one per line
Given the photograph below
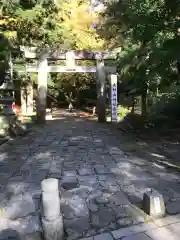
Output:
x=101 y=187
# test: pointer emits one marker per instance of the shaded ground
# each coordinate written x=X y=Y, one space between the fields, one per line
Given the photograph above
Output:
x=162 y=144
x=101 y=186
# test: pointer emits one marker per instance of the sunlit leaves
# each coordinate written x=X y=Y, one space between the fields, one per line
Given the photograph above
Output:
x=78 y=24
x=152 y=26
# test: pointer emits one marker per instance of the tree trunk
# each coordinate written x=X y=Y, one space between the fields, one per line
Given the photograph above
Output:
x=144 y=104
x=77 y=98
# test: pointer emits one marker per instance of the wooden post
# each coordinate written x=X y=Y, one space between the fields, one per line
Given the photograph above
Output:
x=101 y=89
x=42 y=89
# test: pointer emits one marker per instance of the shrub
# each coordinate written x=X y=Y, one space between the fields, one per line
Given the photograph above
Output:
x=123 y=111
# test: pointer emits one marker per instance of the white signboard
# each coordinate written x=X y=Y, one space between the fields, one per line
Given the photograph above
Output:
x=70 y=61
x=114 y=98
x=29 y=52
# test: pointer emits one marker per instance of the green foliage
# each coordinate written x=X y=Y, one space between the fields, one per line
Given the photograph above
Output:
x=123 y=111
x=149 y=32
x=73 y=85
x=167 y=104
x=40 y=26
x=4 y=47
x=151 y=39
x=51 y=24
x=33 y=22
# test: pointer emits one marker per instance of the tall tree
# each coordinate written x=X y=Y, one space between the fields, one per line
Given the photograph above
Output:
x=79 y=21
x=149 y=30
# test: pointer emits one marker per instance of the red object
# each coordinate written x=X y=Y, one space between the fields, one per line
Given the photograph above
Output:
x=15 y=108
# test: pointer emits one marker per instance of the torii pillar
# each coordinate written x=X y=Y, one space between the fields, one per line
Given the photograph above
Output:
x=42 y=89
x=101 y=88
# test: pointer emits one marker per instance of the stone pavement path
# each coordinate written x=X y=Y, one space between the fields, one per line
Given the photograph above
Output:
x=101 y=187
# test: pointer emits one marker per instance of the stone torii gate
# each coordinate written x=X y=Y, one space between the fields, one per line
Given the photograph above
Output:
x=70 y=56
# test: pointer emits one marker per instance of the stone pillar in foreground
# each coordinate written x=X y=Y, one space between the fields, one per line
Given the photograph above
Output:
x=52 y=221
x=101 y=88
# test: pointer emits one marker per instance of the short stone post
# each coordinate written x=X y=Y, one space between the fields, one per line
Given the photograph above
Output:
x=153 y=204
x=52 y=221
x=94 y=111
x=48 y=114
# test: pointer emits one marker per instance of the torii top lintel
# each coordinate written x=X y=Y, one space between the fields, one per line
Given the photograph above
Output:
x=78 y=54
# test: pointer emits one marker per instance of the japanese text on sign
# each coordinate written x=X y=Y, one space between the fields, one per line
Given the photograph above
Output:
x=114 y=98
